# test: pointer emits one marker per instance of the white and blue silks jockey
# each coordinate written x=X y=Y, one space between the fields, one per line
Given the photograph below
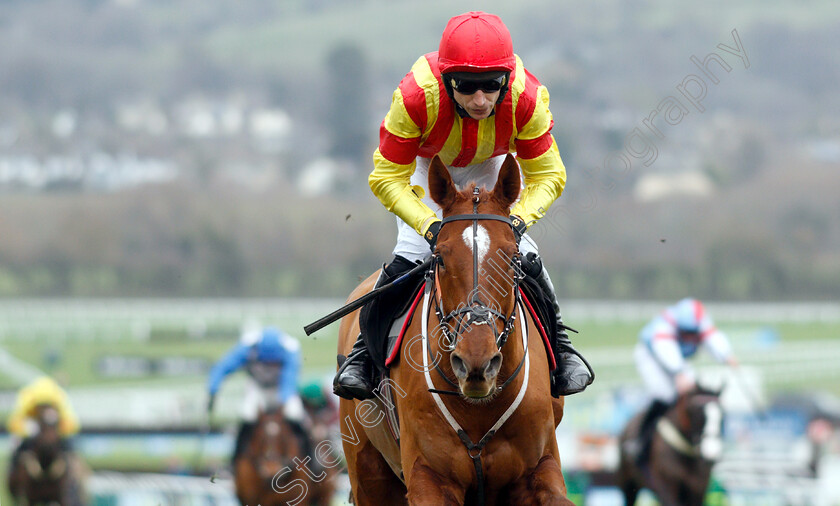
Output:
x=665 y=345
x=669 y=340
x=272 y=360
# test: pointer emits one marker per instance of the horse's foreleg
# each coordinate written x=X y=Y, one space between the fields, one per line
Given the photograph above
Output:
x=694 y=485
x=544 y=485
x=629 y=486
x=666 y=493
x=630 y=490
x=626 y=478
x=372 y=480
x=426 y=486
x=557 y=407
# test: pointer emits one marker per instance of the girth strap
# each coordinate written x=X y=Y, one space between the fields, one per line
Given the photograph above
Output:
x=474 y=451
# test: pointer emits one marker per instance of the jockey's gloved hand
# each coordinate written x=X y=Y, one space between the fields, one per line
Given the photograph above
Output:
x=519 y=227
x=431 y=234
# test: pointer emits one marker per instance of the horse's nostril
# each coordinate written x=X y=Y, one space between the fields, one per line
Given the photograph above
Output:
x=458 y=365
x=493 y=366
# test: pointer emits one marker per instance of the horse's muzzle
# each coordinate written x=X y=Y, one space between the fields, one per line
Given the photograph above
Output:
x=476 y=380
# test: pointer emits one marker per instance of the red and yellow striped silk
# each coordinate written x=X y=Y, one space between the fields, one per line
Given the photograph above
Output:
x=422 y=122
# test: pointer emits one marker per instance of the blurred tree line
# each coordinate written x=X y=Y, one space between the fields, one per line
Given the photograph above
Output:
x=768 y=230
x=217 y=240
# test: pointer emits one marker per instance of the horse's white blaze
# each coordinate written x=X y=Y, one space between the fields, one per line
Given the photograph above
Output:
x=272 y=429
x=51 y=416
x=711 y=446
x=482 y=241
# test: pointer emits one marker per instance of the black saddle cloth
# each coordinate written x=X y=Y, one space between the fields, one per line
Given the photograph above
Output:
x=377 y=315
x=543 y=306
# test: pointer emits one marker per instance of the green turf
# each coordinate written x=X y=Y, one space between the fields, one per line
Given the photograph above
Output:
x=78 y=359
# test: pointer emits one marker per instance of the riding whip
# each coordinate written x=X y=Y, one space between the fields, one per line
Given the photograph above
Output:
x=361 y=301
x=204 y=431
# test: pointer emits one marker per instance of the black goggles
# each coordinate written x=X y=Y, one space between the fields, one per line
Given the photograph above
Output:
x=471 y=85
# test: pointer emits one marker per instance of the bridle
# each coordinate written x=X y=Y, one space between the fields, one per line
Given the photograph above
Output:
x=478 y=313
x=475 y=312
x=271 y=429
x=689 y=443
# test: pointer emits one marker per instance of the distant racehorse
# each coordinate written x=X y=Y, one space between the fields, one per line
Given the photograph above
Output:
x=45 y=472
x=684 y=447
x=471 y=385
x=274 y=470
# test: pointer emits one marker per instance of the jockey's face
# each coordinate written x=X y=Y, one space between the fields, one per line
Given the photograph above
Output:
x=690 y=337
x=478 y=105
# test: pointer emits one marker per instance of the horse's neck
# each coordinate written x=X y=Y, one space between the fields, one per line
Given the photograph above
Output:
x=48 y=452
x=678 y=416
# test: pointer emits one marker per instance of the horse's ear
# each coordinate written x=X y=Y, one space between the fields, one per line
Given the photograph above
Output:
x=509 y=183
x=441 y=188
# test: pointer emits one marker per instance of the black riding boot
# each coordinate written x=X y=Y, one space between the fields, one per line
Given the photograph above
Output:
x=354 y=379
x=641 y=445
x=573 y=373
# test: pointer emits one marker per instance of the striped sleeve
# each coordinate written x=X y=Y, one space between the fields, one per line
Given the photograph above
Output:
x=391 y=183
x=399 y=135
x=412 y=110
x=542 y=168
x=16 y=424
x=714 y=340
x=69 y=422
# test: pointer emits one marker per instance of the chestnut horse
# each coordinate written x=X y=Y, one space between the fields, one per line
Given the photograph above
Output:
x=273 y=468
x=46 y=471
x=471 y=386
x=684 y=447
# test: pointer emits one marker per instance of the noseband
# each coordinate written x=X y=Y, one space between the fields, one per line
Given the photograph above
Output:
x=476 y=312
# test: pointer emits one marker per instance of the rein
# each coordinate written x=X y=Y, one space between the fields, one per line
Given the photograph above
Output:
x=479 y=313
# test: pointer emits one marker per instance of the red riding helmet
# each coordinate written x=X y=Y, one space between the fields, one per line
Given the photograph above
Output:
x=476 y=42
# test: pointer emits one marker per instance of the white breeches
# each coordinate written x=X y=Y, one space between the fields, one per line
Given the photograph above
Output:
x=411 y=245
x=660 y=384
x=257 y=398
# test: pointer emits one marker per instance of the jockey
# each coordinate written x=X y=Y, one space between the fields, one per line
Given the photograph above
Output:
x=272 y=360
x=471 y=102
x=321 y=408
x=22 y=424
x=319 y=404
x=661 y=354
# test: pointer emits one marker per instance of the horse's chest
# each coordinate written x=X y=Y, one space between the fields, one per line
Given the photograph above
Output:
x=504 y=465
x=500 y=463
